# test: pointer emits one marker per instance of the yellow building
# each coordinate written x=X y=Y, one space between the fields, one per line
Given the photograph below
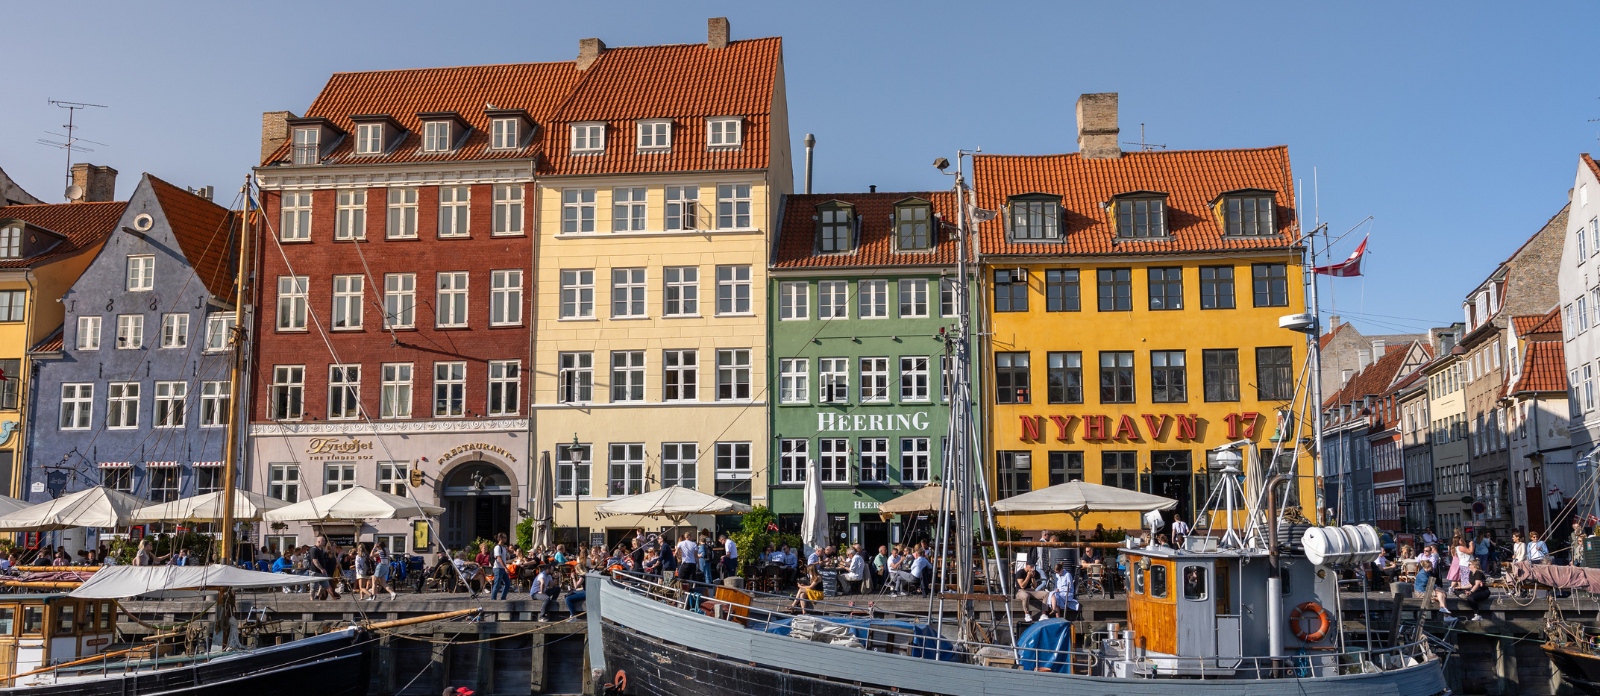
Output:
x=652 y=243
x=1142 y=291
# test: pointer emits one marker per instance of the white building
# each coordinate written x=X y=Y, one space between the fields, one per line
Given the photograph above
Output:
x=1579 y=284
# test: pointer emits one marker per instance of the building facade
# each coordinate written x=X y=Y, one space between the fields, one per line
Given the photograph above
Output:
x=1540 y=411
x=1144 y=291
x=1578 y=283
x=1362 y=441
x=1416 y=455
x=1447 y=411
x=861 y=304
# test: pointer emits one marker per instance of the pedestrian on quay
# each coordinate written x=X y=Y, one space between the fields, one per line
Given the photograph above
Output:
x=501 y=587
x=380 y=572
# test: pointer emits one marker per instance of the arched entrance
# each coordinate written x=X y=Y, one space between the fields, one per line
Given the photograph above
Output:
x=477 y=503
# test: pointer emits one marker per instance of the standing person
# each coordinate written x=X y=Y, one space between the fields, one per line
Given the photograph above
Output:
x=380 y=572
x=1180 y=529
x=1482 y=549
x=318 y=562
x=730 y=556
x=1461 y=555
x=543 y=591
x=707 y=571
x=688 y=554
x=363 y=568
x=1429 y=538
x=146 y=555
x=501 y=587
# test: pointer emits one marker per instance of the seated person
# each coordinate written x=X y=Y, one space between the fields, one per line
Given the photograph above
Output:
x=790 y=565
x=1063 y=593
x=810 y=591
x=1029 y=593
x=855 y=572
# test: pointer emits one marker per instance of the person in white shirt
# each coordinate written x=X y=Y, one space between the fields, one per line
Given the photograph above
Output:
x=1429 y=538
x=856 y=570
x=1537 y=551
x=1180 y=529
x=501 y=588
x=730 y=556
x=688 y=560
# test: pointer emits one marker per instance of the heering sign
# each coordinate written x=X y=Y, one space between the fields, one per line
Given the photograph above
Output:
x=335 y=449
x=871 y=422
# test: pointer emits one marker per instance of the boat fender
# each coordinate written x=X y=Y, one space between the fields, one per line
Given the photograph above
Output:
x=1316 y=610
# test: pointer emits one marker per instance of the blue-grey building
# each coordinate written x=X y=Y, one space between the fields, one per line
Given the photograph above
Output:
x=133 y=389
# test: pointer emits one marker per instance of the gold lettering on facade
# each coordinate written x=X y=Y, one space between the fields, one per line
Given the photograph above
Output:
x=477 y=447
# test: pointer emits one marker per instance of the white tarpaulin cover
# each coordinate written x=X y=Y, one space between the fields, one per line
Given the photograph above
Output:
x=814 y=525
x=247 y=507
x=94 y=507
x=122 y=582
x=1079 y=496
x=924 y=499
x=9 y=505
x=675 y=502
x=352 y=504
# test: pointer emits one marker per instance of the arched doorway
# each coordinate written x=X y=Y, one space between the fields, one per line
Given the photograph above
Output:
x=477 y=503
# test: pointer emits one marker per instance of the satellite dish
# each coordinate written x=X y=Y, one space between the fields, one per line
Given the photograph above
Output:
x=74 y=192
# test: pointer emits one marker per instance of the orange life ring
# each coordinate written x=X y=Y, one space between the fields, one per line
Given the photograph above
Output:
x=1316 y=610
x=620 y=683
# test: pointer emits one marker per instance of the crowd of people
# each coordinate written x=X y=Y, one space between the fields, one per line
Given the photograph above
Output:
x=1459 y=567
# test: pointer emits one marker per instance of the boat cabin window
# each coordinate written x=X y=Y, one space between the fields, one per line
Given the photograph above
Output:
x=8 y=621
x=65 y=616
x=1138 y=579
x=1158 y=581
x=1194 y=582
x=33 y=619
x=1224 y=595
x=1284 y=575
x=87 y=619
x=106 y=616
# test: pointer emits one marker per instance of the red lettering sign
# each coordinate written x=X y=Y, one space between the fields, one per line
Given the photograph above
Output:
x=1030 y=427
x=1156 y=423
x=1095 y=427
x=1186 y=425
x=1250 y=418
x=1232 y=420
x=1126 y=430
x=1062 y=423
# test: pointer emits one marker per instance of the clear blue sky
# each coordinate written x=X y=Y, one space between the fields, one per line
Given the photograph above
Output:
x=1456 y=126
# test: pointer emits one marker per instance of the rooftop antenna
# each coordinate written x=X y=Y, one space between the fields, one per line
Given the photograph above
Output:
x=70 y=142
x=1144 y=146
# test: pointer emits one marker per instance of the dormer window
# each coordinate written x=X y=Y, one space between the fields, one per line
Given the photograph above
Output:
x=307 y=145
x=834 y=224
x=588 y=137
x=504 y=133
x=369 y=138
x=1247 y=213
x=11 y=242
x=437 y=136
x=724 y=132
x=655 y=136
x=1035 y=217
x=913 y=221
x=1141 y=215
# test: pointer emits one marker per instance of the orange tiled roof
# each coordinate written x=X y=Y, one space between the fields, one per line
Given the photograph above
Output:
x=1594 y=168
x=875 y=245
x=83 y=225
x=1544 y=368
x=685 y=82
x=1192 y=179
x=50 y=344
x=1523 y=323
x=1549 y=323
x=1376 y=379
x=1325 y=339
x=208 y=234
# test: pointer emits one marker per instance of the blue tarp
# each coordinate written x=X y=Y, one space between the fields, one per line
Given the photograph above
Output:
x=1035 y=645
x=924 y=641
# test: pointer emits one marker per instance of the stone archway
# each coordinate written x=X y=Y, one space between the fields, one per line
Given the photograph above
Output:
x=477 y=495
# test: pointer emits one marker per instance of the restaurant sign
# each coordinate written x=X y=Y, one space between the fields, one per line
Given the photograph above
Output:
x=336 y=449
x=477 y=447
x=1096 y=427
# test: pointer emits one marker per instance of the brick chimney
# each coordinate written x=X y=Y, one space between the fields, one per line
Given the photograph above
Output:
x=589 y=51
x=1333 y=323
x=99 y=183
x=717 y=32
x=1097 y=126
x=274 y=131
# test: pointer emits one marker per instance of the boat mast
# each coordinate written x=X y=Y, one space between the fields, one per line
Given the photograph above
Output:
x=1314 y=346
x=235 y=434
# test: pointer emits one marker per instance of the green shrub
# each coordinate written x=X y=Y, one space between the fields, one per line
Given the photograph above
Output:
x=754 y=536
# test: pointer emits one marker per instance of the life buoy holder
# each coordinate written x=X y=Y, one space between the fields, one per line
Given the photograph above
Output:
x=1315 y=610
x=621 y=682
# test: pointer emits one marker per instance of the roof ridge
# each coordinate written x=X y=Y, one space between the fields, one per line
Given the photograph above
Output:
x=1162 y=152
x=609 y=49
x=79 y=204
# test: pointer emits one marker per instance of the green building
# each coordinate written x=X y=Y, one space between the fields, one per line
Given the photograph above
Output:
x=861 y=303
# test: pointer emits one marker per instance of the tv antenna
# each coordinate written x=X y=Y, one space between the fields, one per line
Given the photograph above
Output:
x=1144 y=146
x=70 y=142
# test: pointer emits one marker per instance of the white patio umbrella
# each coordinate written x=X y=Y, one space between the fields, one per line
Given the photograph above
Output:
x=1078 y=498
x=9 y=505
x=925 y=499
x=543 y=505
x=92 y=507
x=814 y=526
x=355 y=503
x=247 y=507
x=672 y=502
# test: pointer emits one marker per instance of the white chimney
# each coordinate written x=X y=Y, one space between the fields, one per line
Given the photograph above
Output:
x=1363 y=358
x=1378 y=348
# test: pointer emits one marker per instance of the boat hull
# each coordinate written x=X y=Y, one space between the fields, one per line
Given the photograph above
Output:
x=1580 y=669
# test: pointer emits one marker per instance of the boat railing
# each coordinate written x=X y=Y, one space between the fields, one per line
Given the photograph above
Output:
x=1320 y=663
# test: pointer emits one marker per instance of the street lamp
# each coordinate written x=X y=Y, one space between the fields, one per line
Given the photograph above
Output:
x=577 y=491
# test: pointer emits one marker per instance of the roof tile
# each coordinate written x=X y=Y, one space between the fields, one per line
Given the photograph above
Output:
x=1544 y=368
x=875 y=246
x=82 y=224
x=207 y=233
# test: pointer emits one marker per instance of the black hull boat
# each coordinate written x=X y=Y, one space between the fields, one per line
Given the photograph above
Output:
x=338 y=664
x=1579 y=668
x=640 y=665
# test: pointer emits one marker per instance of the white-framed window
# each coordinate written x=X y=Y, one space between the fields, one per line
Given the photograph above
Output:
x=452 y=299
x=344 y=392
x=577 y=294
x=436 y=136
x=295 y=217
x=505 y=298
x=399 y=300
x=575 y=378
x=913 y=297
x=141 y=273
x=402 y=218
x=392 y=480
x=292 y=291
x=655 y=135
x=572 y=477
x=505 y=384
x=794 y=300
x=13 y=305
x=171 y=397
x=88 y=333
x=219 y=330
x=874 y=460
x=507 y=209
x=833 y=459
x=628 y=208
x=872 y=299
x=307 y=145
x=350 y=214
x=723 y=132
x=833 y=297
x=733 y=289
x=627 y=470
x=505 y=133
x=627 y=292
x=681 y=291
x=11 y=242
x=577 y=211
x=449 y=389
x=122 y=405
x=454 y=210
x=833 y=380
x=347 y=302
x=733 y=374
x=396 y=394
x=77 y=406
x=947 y=297
x=627 y=375
x=914 y=460
x=369 y=138
x=792 y=460
x=130 y=331
x=338 y=476
x=214 y=396
x=175 y=330
x=588 y=137
x=874 y=380
x=680 y=368
x=283 y=482
x=733 y=460
x=914 y=378
x=733 y=206
x=1588 y=387
x=794 y=380
x=288 y=391
x=1583 y=313
x=678 y=464
x=683 y=207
